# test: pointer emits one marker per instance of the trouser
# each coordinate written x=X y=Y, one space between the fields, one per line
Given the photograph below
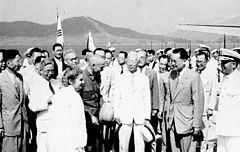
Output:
x=95 y=139
x=41 y=141
x=108 y=135
x=15 y=143
x=228 y=143
x=209 y=133
x=182 y=142
x=124 y=137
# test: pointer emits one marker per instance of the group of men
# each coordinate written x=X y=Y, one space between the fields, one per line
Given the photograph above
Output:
x=175 y=96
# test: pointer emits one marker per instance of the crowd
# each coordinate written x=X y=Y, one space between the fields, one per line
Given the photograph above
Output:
x=138 y=100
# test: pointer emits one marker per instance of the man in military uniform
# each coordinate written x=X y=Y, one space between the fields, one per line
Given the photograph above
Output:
x=91 y=99
x=228 y=120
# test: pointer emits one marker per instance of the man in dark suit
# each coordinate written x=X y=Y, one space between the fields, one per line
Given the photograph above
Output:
x=186 y=104
x=13 y=115
x=59 y=65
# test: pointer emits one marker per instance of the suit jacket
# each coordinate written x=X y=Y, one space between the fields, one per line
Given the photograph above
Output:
x=132 y=103
x=187 y=102
x=56 y=72
x=13 y=109
x=153 y=82
x=39 y=95
x=164 y=93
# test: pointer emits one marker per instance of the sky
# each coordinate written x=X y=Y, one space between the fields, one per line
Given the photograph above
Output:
x=145 y=16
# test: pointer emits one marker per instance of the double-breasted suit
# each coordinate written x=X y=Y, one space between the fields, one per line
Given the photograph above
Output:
x=13 y=115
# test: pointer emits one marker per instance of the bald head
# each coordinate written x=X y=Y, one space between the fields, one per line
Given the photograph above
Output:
x=132 y=61
x=95 y=63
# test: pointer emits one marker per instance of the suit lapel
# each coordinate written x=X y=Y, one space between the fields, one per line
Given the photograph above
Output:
x=172 y=83
x=10 y=84
x=21 y=92
x=181 y=82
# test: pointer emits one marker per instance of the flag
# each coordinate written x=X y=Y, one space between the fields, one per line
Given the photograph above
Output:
x=90 y=44
x=59 y=31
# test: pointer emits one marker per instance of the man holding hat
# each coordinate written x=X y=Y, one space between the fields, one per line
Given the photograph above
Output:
x=228 y=120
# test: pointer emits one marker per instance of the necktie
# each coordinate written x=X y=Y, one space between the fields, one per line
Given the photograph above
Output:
x=121 y=70
x=51 y=88
x=17 y=85
x=177 y=80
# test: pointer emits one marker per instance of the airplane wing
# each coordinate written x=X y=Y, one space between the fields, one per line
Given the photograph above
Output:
x=217 y=29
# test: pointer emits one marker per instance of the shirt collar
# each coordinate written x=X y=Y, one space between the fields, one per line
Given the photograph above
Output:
x=181 y=73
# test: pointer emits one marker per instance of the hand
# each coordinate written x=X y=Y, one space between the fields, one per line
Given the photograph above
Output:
x=197 y=135
x=95 y=120
x=146 y=121
x=1 y=132
x=117 y=120
x=49 y=101
x=209 y=113
x=160 y=115
x=79 y=149
x=154 y=112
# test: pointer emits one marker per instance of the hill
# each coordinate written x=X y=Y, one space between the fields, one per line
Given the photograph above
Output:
x=75 y=33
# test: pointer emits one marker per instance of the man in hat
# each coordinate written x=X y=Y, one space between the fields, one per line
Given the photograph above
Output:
x=13 y=114
x=228 y=120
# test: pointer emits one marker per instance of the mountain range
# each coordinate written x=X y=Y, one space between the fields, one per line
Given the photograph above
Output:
x=75 y=33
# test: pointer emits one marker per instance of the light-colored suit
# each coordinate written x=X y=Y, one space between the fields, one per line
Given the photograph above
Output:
x=13 y=115
x=132 y=105
x=39 y=96
x=187 y=102
x=186 y=108
x=154 y=90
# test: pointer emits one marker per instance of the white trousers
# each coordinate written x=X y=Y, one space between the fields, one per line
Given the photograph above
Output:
x=124 y=137
x=41 y=141
x=228 y=143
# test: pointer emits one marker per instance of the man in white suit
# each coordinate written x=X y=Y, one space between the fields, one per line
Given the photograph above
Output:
x=228 y=120
x=40 y=94
x=132 y=105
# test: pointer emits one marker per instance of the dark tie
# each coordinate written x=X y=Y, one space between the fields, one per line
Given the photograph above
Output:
x=177 y=79
x=121 y=70
x=17 y=85
x=51 y=88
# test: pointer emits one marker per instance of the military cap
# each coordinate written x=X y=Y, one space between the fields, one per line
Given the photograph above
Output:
x=229 y=55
